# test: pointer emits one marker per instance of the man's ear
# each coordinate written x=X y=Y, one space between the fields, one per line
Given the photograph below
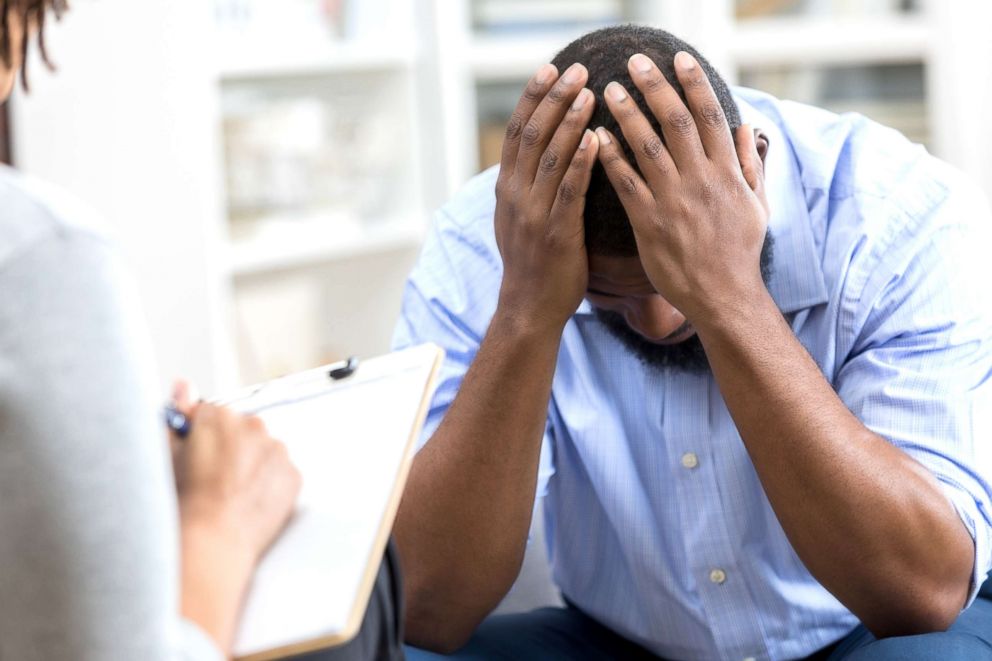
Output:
x=761 y=142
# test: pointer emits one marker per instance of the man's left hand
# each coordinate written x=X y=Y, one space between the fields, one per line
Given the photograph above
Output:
x=698 y=208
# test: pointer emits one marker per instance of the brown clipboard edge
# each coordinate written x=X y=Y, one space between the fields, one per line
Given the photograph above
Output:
x=378 y=547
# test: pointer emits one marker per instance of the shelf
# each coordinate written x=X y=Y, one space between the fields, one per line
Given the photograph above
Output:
x=805 y=41
x=757 y=42
x=247 y=59
x=500 y=59
x=285 y=245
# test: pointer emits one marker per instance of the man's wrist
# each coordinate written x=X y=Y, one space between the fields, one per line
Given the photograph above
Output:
x=520 y=321
x=731 y=315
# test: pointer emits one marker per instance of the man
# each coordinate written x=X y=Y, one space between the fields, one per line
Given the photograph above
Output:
x=735 y=461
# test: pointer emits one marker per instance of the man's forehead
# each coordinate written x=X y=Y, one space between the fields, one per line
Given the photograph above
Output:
x=618 y=273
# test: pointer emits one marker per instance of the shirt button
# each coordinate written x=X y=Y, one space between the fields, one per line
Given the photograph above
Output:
x=690 y=460
x=718 y=576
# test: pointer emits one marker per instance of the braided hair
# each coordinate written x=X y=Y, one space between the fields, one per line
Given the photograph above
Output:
x=32 y=14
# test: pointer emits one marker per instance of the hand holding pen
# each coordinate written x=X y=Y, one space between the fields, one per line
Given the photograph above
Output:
x=236 y=490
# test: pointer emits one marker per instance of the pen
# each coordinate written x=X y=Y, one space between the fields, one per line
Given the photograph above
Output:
x=177 y=421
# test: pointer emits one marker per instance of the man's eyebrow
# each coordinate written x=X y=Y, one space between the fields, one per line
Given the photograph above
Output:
x=590 y=290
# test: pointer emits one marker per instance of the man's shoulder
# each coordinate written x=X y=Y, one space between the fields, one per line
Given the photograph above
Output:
x=858 y=173
x=475 y=202
x=465 y=223
x=845 y=154
x=461 y=244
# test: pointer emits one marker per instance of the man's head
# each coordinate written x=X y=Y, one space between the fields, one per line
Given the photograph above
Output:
x=619 y=289
x=18 y=18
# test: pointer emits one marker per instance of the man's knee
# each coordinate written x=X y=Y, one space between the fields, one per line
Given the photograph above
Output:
x=417 y=654
x=946 y=646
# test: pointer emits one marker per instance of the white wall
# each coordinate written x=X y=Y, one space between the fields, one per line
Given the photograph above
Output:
x=963 y=86
x=128 y=123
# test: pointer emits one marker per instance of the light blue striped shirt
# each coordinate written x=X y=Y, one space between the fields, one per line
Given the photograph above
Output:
x=657 y=523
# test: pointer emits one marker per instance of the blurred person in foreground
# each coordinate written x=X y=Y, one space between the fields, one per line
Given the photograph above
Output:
x=96 y=560
x=740 y=349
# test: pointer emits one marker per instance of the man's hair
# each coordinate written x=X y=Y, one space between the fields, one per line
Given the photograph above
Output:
x=32 y=14
x=605 y=53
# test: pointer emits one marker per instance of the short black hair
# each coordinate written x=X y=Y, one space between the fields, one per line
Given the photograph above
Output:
x=605 y=53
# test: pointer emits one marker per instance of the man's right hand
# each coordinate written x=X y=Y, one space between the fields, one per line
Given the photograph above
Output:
x=546 y=162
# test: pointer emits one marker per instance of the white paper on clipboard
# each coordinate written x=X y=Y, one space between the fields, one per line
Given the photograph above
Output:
x=353 y=442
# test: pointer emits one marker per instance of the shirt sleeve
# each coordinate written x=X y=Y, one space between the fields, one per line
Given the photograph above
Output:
x=449 y=300
x=89 y=566
x=920 y=372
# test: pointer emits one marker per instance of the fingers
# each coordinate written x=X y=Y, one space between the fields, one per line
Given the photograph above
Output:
x=180 y=393
x=633 y=191
x=560 y=154
x=532 y=96
x=714 y=131
x=183 y=399
x=752 y=167
x=748 y=157
x=652 y=156
x=543 y=124
x=677 y=123
x=566 y=213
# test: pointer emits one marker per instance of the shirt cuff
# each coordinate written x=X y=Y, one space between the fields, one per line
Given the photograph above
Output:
x=965 y=506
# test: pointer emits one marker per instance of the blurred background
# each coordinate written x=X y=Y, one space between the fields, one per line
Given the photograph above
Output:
x=270 y=167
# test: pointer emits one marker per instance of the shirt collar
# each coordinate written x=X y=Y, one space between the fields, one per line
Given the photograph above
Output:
x=797 y=280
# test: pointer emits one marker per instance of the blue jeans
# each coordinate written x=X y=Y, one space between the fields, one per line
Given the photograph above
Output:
x=567 y=633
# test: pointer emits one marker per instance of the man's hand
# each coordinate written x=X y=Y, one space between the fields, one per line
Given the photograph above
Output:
x=699 y=212
x=545 y=166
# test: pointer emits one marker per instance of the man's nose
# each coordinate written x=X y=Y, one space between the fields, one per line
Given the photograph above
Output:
x=653 y=317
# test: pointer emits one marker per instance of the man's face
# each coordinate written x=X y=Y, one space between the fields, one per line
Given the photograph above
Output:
x=626 y=302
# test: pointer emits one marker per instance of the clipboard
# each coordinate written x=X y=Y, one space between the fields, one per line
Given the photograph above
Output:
x=352 y=437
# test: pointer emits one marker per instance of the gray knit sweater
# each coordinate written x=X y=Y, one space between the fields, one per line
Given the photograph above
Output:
x=89 y=566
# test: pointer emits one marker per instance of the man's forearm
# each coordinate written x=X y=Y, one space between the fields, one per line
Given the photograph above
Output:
x=463 y=524
x=870 y=523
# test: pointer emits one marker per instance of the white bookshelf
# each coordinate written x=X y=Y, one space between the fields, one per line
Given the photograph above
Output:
x=799 y=41
x=512 y=58
x=306 y=243
x=237 y=293
x=245 y=60
x=356 y=94
x=802 y=48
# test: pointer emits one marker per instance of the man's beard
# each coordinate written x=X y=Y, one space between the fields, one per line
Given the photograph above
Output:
x=686 y=356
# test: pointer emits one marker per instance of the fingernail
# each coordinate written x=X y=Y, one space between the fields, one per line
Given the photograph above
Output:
x=544 y=73
x=571 y=74
x=581 y=99
x=603 y=135
x=616 y=92
x=586 y=139
x=641 y=62
x=684 y=61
